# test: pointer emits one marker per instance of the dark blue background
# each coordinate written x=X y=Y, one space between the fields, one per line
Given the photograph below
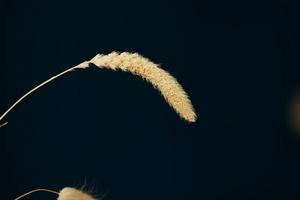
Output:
x=239 y=62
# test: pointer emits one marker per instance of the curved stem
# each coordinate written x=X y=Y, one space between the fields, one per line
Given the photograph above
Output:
x=82 y=66
x=36 y=190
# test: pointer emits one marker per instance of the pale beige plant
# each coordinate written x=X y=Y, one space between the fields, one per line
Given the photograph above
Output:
x=136 y=64
x=67 y=193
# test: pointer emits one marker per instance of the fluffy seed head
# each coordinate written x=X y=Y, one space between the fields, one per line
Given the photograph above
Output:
x=170 y=89
x=69 y=193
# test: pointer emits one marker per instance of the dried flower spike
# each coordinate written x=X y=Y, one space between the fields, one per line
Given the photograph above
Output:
x=69 y=193
x=134 y=63
x=66 y=193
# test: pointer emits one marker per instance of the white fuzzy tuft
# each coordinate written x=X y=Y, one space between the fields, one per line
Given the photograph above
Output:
x=134 y=63
x=69 y=193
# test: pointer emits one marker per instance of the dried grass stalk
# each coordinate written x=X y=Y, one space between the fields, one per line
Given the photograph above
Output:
x=36 y=190
x=66 y=193
x=80 y=66
x=134 y=63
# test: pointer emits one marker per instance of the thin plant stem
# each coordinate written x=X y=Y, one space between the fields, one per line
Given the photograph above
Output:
x=3 y=124
x=82 y=65
x=36 y=190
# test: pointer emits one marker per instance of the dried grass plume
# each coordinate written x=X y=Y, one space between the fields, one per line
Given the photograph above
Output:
x=134 y=63
x=67 y=193
x=170 y=89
